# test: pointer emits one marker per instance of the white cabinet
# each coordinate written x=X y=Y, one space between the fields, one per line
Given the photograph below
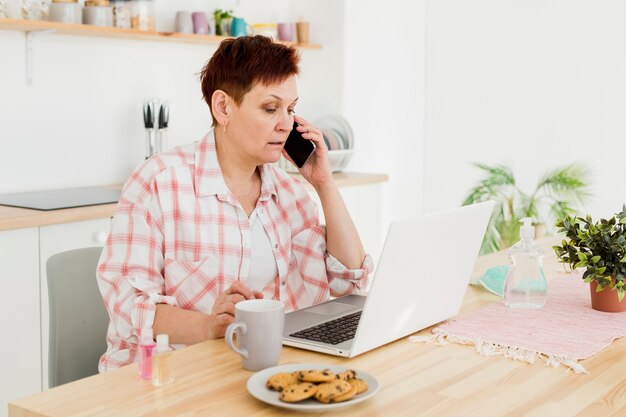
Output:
x=20 y=359
x=59 y=238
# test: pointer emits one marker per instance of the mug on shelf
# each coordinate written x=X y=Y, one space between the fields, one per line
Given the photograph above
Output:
x=285 y=32
x=200 y=23
x=239 y=27
x=184 y=23
x=302 y=29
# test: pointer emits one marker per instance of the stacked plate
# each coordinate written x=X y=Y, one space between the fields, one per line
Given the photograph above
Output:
x=339 y=139
x=337 y=132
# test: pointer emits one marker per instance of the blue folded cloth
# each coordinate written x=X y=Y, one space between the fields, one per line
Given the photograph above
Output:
x=493 y=279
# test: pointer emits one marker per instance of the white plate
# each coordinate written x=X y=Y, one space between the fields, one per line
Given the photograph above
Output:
x=256 y=387
x=339 y=125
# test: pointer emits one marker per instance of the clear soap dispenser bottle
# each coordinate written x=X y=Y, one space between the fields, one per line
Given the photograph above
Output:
x=525 y=285
x=162 y=371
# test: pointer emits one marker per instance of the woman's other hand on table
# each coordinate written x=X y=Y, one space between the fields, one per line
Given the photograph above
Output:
x=223 y=312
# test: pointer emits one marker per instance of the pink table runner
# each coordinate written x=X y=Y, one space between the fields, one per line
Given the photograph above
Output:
x=564 y=331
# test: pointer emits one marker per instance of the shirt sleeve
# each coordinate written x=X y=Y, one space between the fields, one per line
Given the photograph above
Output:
x=345 y=281
x=309 y=246
x=130 y=269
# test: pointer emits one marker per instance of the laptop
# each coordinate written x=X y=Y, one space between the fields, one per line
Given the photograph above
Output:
x=421 y=278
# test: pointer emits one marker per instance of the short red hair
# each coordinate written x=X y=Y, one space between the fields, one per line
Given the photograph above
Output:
x=240 y=63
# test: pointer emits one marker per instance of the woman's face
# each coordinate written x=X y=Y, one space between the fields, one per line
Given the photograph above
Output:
x=259 y=126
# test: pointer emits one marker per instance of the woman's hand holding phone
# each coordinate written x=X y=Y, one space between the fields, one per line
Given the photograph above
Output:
x=316 y=169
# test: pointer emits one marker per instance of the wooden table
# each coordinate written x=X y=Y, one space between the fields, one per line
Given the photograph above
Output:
x=416 y=379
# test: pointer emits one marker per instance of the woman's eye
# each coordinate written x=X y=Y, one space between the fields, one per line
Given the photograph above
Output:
x=269 y=110
x=292 y=111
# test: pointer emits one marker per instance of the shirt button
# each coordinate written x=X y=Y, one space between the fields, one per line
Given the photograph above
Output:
x=283 y=283
x=261 y=211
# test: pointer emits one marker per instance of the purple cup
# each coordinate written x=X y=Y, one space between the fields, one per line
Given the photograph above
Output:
x=200 y=24
x=285 y=32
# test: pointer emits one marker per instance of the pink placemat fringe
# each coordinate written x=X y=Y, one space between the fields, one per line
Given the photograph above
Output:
x=491 y=349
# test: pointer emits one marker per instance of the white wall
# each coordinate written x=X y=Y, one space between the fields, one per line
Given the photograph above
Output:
x=427 y=85
x=384 y=96
x=535 y=83
x=80 y=124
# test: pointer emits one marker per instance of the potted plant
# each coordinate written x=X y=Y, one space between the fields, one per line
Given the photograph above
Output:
x=557 y=194
x=222 y=21
x=600 y=248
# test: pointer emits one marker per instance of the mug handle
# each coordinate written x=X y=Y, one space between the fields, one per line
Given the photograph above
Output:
x=230 y=332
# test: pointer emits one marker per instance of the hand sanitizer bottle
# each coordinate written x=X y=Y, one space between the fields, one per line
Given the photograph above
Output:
x=525 y=285
x=146 y=348
x=162 y=371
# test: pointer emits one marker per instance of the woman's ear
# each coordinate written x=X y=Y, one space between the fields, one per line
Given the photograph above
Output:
x=219 y=107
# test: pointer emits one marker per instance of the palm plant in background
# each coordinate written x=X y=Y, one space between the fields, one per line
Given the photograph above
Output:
x=558 y=193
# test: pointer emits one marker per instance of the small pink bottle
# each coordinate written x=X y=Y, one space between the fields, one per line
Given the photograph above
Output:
x=146 y=347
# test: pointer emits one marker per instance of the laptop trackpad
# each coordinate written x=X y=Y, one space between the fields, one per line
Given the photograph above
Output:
x=328 y=309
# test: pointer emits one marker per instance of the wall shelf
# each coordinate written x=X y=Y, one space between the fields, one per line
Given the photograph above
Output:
x=111 y=32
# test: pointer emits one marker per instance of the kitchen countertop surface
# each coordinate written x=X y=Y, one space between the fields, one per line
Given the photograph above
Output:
x=18 y=218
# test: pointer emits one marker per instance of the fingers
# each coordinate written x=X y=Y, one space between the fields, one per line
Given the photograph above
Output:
x=310 y=132
x=240 y=288
x=224 y=308
x=219 y=324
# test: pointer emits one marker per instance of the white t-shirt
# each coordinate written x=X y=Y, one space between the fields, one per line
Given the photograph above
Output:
x=263 y=268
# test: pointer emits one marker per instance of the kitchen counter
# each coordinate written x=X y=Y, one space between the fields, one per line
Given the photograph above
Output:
x=18 y=218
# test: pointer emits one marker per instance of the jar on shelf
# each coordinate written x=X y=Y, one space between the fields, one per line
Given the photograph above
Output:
x=142 y=14
x=98 y=13
x=121 y=13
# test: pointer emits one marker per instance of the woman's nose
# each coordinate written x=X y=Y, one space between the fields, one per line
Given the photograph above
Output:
x=286 y=122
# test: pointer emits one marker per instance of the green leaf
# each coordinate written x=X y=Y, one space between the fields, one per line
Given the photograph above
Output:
x=588 y=279
x=596 y=258
x=623 y=259
x=582 y=256
x=620 y=294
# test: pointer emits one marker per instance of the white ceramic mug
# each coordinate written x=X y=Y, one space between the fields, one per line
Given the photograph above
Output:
x=184 y=24
x=259 y=325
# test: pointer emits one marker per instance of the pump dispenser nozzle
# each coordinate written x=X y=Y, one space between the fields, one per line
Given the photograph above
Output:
x=527 y=231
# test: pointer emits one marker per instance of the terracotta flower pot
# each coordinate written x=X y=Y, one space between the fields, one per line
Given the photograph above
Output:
x=606 y=300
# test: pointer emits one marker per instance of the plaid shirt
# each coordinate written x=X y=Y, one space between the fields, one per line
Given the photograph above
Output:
x=180 y=237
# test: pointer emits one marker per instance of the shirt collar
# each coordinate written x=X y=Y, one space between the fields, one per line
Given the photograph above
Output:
x=209 y=179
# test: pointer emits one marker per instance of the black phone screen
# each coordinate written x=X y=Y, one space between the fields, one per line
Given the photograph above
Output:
x=298 y=148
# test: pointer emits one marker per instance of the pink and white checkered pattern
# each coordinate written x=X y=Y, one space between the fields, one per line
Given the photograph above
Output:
x=180 y=237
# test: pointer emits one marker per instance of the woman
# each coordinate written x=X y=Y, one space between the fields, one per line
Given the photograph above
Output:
x=207 y=225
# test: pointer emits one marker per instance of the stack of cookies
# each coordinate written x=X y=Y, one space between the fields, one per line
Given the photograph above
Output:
x=323 y=385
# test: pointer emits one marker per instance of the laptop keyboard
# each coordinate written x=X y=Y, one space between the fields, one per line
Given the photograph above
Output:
x=332 y=332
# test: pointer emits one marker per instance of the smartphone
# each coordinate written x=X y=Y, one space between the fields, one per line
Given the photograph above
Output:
x=297 y=147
